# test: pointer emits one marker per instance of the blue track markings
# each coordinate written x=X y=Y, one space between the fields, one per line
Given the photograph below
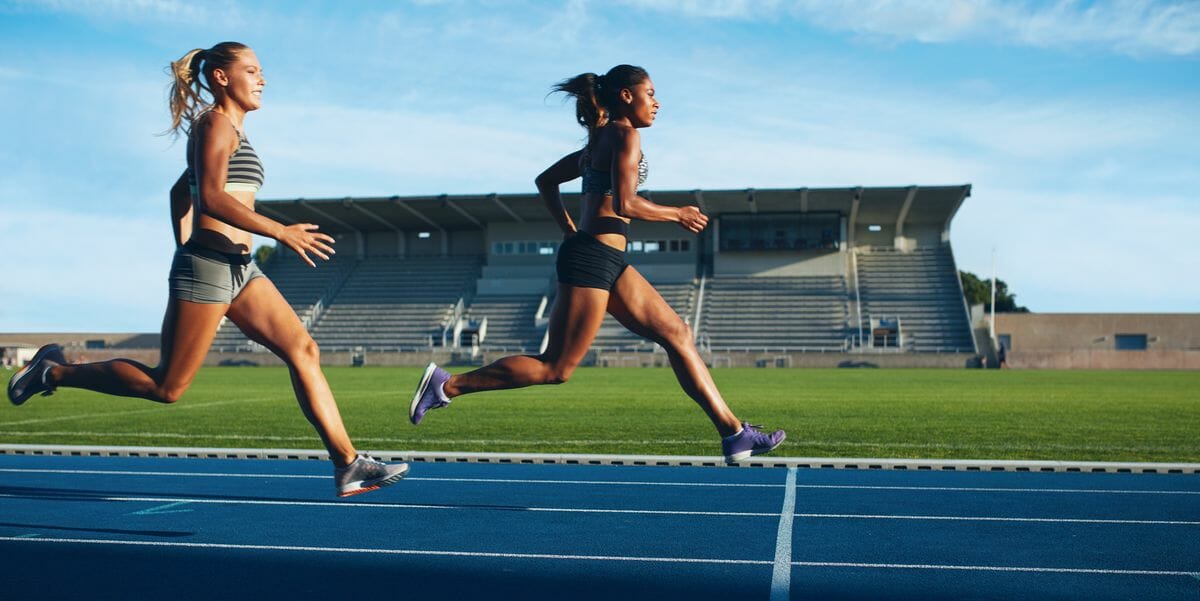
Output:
x=245 y=528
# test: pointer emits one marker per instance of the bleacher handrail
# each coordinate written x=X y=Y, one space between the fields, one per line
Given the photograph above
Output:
x=699 y=308
x=857 y=293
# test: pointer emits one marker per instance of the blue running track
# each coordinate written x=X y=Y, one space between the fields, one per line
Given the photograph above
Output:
x=157 y=528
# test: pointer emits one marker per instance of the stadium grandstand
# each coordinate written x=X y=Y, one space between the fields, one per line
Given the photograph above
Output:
x=781 y=277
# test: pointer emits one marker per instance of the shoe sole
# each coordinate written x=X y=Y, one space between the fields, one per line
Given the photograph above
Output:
x=412 y=408
x=370 y=485
x=19 y=400
x=744 y=455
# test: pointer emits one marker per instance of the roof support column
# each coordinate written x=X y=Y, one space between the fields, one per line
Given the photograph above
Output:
x=852 y=226
x=365 y=211
x=899 y=241
x=434 y=225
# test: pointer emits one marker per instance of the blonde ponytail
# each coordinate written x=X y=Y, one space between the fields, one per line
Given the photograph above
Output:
x=187 y=101
x=185 y=98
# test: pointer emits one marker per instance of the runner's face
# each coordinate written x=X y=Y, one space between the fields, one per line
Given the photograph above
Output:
x=244 y=80
x=642 y=103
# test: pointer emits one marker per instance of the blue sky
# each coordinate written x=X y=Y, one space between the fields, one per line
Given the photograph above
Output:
x=1076 y=122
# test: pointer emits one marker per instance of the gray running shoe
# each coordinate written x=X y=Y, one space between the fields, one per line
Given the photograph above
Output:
x=750 y=441
x=429 y=393
x=31 y=379
x=366 y=474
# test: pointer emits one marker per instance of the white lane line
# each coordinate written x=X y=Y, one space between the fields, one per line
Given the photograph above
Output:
x=753 y=514
x=1098 y=491
x=1105 y=491
x=85 y=541
x=918 y=566
x=822 y=444
x=781 y=573
x=683 y=560
x=408 y=479
x=168 y=474
x=341 y=504
x=965 y=518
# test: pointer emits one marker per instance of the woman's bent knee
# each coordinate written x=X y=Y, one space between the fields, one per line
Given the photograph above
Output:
x=554 y=372
x=304 y=352
x=168 y=394
x=677 y=335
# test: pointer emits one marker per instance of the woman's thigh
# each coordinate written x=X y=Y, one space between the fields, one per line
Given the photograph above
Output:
x=265 y=317
x=574 y=321
x=640 y=308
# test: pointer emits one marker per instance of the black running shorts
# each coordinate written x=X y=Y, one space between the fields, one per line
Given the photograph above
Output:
x=586 y=262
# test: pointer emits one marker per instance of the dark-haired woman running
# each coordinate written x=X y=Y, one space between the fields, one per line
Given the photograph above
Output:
x=593 y=275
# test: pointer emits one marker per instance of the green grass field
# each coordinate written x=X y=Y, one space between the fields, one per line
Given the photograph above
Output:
x=963 y=414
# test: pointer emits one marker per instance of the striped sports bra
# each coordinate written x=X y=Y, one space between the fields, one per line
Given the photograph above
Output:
x=596 y=181
x=244 y=174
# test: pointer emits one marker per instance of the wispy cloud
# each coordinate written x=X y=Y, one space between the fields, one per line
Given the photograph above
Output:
x=94 y=271
x=1133 y=27
x=1065 y=252
x=124 y=10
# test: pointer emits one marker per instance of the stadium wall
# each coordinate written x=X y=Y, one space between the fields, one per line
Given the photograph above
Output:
x=1100 y=341
x=776 y=264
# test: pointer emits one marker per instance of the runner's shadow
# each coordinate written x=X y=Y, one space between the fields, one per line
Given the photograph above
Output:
x=159 y=533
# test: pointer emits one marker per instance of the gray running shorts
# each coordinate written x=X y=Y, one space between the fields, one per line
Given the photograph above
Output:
x=202 y=275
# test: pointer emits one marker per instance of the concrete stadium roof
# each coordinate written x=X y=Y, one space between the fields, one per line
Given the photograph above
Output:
x=909 y=204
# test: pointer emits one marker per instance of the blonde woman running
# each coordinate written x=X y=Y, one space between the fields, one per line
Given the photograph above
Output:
x=212 y=275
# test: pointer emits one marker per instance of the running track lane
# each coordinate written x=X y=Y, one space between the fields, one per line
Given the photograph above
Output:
x=93 y=527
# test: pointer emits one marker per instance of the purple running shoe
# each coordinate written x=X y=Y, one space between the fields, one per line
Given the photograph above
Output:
x=750 y=441
x=429 y=393
x=31 y=379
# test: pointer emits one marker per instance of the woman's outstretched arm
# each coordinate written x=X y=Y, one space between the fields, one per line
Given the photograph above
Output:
x=627 y=202
x=215 y=145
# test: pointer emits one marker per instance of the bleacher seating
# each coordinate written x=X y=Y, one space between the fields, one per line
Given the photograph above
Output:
x=806 y=313
x=511 y=324
x=391 y=303
x=382 y=304
x=920 y=289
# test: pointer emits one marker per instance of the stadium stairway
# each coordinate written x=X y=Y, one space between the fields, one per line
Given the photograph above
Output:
x=511 y=322
x=921 y=288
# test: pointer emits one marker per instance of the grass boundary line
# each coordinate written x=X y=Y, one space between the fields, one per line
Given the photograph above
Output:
x=852 y=463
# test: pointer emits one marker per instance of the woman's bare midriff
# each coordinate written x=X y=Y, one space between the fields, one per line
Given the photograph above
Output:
x=213 y=233
x=596 y=206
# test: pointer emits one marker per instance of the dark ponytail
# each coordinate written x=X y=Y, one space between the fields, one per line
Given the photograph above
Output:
x=596 y=95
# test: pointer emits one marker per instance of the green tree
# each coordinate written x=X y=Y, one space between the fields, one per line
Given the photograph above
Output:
x=263 y=254
x=979 y=292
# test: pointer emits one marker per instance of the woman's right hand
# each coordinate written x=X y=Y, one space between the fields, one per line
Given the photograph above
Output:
x=692 y=220
x=303 y=238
